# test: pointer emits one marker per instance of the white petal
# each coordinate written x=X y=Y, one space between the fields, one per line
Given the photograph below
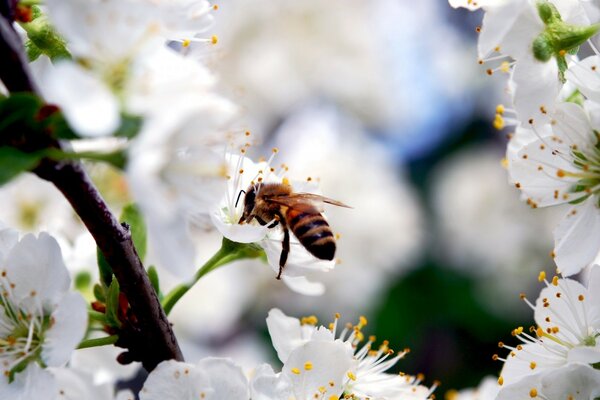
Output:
x=560 y=305
x=536 y=87
x=575 y=238
x=521 y=389
x=33 y=383
x=125 y=395
x=266 y=385
x=173 y=380
x=585 y=74
x=301 y=285
x=518 y=366
x=173 y=246
x=70 y=323
x=593 y=301
x=286 y=333
x=535 y=171
x=227 y=380
x=330 y=362
x=585 y=354
x=574 y=381
x=88 y=105
x=36 y=268
x=245 y=233
x=75 y=385
x=8 y=239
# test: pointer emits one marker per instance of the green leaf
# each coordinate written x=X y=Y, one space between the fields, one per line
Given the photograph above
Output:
x=13 y=162
x=153 y=275
x=83 y=280
x=130 y=126
x=100 y=293
x=18 y=112
x=133 y=217
x=112 y=304
x=106 y=274
x=41 y=33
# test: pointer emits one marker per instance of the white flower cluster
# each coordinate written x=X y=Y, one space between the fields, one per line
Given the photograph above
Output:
x=324 y=363
x=553 y=157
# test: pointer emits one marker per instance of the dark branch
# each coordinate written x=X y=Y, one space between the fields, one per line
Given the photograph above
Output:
x=148 y=335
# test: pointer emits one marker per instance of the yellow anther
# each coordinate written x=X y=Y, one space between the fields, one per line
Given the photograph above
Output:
x=500 y=109
x=532 y=365
x=555 y=280
x=504 y=162
x=215 y=7
x=295 y=371
x=533 y=393
x=539 y=331
x=285 y=181
x=322 y=389
x=351 y=375
x=498 y=122
x=517 y=331
x=186 y=43
x=214 y=39
x=362 y=321
x=310 y=320
x=500 y=380
x=308 y=365
x=505 y=67
x=337 y=315
x=275 y=150
x=542 y=276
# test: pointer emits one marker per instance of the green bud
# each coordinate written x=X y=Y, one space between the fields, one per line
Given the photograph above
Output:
x=42 y=34
x=548 y=12
x=542 y=48
x=568 y=37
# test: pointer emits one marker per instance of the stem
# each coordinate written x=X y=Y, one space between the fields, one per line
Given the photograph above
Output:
x=229 y=252
x=96 y=316
x=103 y=341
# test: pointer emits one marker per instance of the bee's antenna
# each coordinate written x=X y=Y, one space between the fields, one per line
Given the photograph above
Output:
x=238 y=198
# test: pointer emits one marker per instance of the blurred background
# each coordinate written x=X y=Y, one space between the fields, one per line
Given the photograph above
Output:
x=384 y=103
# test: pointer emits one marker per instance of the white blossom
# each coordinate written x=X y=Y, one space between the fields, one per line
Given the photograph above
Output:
x=368 y=377
x=41 y=321
x=567 y=315
x=558 y=164
x=210 y=379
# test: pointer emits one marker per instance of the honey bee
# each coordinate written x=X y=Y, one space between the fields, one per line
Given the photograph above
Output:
x=276 y=204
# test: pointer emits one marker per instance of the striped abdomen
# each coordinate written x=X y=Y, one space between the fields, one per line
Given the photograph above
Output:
x=313 y=232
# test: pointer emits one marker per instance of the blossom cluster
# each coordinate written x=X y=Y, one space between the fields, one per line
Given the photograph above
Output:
x=552 y=157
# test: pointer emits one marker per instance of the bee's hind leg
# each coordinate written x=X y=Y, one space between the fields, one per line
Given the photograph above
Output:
x=285 y=250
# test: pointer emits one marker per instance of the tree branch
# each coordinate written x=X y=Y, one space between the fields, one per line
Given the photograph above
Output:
x=148 y=335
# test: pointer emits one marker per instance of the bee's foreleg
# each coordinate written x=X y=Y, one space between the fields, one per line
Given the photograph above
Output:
x=260 y=220
x=273 y=224
x=285 y=249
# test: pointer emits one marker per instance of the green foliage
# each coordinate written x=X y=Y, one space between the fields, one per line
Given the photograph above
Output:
x=13 y=162
x=106 y=274
x=112 y=305
x=133 y=217
x=130 y=126
x=153 y=275
x=43 y=38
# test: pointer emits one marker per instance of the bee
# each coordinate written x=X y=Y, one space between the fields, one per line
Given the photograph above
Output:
x=276 y=204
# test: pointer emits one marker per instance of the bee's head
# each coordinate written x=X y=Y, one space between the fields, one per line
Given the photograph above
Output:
x=249 y=200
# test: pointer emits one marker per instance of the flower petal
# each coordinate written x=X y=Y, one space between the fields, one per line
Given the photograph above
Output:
x=173 y=380
x=88 y=105
x=36 y=268
x=227 y=380
x=286 y=333
x=301 y=285
x=68 y=329
x=575 y=238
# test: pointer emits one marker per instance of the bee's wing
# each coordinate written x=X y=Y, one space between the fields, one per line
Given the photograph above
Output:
x=306 y=202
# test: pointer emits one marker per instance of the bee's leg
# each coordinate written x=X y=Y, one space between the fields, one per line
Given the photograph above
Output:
x=260 y=220
x=285 y=249
x=274 y=223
